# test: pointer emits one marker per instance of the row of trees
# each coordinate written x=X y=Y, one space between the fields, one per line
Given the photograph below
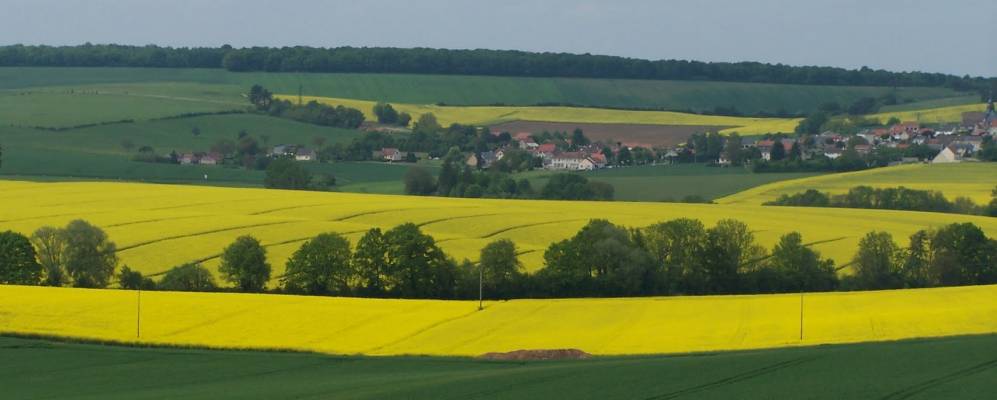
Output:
x=464 y=62
x=312 y=112
x=495 y=184
x=899 y=198
x=680 y=256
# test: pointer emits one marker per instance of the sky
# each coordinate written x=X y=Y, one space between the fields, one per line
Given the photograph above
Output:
x=950 y=36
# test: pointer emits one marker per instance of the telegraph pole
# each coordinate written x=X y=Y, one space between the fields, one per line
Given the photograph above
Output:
x=138 y=316
x=481 y=287
x=801 y=314
x=299 y=93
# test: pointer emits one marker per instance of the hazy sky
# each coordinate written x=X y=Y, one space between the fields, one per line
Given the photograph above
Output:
x=952 y=36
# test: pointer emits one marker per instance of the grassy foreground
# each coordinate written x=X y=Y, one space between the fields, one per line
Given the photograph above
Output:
x=952 y=368
x=157 y=227
x=613 y=326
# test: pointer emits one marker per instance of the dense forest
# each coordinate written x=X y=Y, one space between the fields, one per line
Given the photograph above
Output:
x=467 y=62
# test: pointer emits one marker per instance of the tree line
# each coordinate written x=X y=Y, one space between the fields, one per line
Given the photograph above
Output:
x=457 y=179
x=899 y=198
x=675 y=257
x=312 y=112
x=467 y=62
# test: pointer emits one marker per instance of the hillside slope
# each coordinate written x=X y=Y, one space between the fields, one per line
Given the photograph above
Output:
x=975 y=180
x=157 y=227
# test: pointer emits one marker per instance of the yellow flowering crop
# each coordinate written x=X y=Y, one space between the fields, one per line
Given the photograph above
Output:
x=436 y=327
x=973 y=180
x=931 y=115
x=487 y=115
x=157 y=227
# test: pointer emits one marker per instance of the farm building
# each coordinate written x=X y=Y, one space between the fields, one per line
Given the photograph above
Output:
x=305 y=155
x=946 y=156
x=391 y=154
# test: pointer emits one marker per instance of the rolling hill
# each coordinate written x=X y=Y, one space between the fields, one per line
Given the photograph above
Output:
x=973 y=180
x=748 y=98
x=158 y=227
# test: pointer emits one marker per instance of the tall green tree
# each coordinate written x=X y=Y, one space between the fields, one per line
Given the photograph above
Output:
x=418 y=181
x=89 y=256
x=501 y=271
x=801 y=267
x=677 y=246
x=416 y=266
x=320 y=266
x=729 y=250
x=778 y=151
x=878 y=262
x=285 y=173
x=370 y=263
x=244 y=264
x=51 y=246
x=18 y=262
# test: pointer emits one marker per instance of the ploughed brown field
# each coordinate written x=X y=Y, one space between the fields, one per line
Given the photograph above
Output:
x=630 y=134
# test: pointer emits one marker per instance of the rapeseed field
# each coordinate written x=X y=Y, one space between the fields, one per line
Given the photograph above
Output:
x=456 y=328
x=157 y=227
x=489 y=115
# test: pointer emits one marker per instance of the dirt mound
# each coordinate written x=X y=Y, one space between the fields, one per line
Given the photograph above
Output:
x=524 y=355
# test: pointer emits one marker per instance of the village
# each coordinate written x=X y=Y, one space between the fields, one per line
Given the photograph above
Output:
x=938 y=143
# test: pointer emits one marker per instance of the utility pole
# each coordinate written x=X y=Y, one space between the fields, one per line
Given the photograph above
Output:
x=481 y=287
x=138 y=316
x=801 y=314
x=299 y=93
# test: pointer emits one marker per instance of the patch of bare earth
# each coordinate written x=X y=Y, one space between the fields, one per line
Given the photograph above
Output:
x=630 y=134
x=528 y=355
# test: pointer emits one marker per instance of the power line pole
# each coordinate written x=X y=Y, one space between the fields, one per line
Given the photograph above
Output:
x=801 y=314
x=299 y=93
x=481 y=287
x=138 y=316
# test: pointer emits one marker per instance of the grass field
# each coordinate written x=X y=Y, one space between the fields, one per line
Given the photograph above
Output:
x=961 y=367
x=491 y=115
x=972 y=180
x=621 y=326
x=483 y=90
x=674 y=182
x=97 y=152
x=157 y=227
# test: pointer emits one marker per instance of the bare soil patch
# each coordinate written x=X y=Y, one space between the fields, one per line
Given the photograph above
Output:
x=630 y=134
x=527 y=355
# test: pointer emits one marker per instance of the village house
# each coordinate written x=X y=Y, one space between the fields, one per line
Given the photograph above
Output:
x=391 y=154
x=482 y=160
x=187 y=159
x=210 y=159
x=305 y=155
x=571 y=161
x=545 y=150
x=946 y=156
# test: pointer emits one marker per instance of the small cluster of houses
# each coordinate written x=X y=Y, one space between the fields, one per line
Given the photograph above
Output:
x=200 y=158
x=299 y=153
x=954 y=143
x=585 y=158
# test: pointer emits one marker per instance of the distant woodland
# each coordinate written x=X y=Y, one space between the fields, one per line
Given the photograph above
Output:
x=468 y=62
